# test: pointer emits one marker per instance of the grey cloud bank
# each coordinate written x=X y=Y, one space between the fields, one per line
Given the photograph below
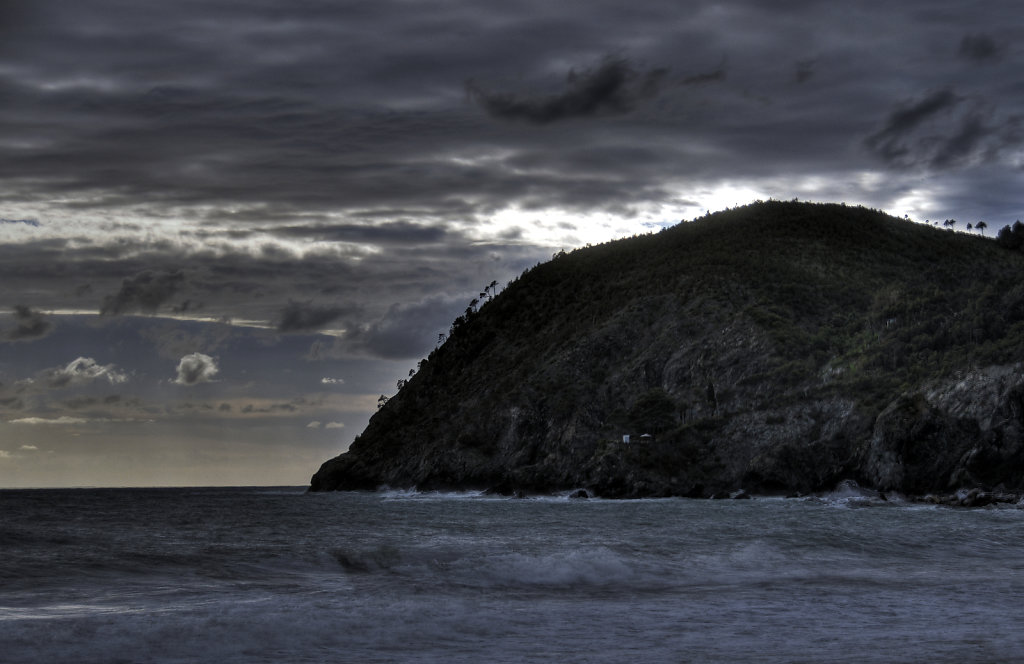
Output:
x=247 y=114
x=254 y=175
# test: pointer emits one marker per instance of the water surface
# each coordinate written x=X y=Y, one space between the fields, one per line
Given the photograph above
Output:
x=278 y=575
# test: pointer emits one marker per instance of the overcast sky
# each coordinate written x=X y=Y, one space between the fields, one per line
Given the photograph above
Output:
x=227 y=227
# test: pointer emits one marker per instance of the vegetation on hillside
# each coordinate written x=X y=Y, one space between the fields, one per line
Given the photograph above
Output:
x=875 y=301
x=750 y=310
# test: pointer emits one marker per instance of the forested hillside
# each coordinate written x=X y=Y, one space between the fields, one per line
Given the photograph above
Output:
x=781 y=346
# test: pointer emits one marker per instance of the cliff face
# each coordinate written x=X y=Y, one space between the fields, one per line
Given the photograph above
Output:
x=777 y=347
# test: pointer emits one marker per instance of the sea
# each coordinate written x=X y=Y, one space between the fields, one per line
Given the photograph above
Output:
x=281 y=575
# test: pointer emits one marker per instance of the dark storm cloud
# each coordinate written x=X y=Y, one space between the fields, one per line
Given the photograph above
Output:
x=405 y=331
x=613 y=87
x=804 y=70
x=703 y=79
x=979 y=48
x=942 y=130
x=907 y=118
x=969 y=137
x=145 y=292
x=28 y=324
x=307 y=317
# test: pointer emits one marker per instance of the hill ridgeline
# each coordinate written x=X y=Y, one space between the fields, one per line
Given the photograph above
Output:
x=780 y=347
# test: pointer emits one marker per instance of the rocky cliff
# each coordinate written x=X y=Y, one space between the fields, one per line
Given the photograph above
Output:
x=778 y=347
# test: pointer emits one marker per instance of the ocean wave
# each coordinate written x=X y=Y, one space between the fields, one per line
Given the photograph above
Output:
x=388 y=493
x=849 y=494
x=580 y=568
x=591 y=567
x=164 y=579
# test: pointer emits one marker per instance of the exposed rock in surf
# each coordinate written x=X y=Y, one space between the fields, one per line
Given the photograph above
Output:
x=974 y=498
x=505 y=489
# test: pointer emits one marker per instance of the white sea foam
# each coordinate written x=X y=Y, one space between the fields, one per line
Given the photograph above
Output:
x=388 y=493
x=850 y=494
x=415 y=494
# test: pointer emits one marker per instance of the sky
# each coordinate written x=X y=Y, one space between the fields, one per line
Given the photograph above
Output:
x=226 y=228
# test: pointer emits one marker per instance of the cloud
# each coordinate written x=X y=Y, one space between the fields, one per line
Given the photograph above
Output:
x=805 y=70
x=930 y=132
x=387 y=193
x=332 y=381
x=613 y=87
x=708 y=77
x=28 y=324
x=81 y=402
x=81 y=371
x=246 y=160
x=27 y=222
x=979 y=48
x=307 y=317
x=267 y=146
x=405 y=331
x=196 y=368
x=387 y=233
x=63 y=419
x=889 y=143
x=249 y=409
x=238 y=285
x=173 y=340
x=188 y=306
x=316 y=424
x=144 y=292
x=12 y=403
x=962 y=144
x=28 y=448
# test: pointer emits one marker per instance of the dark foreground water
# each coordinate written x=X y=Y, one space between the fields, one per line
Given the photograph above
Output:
x=263 y=575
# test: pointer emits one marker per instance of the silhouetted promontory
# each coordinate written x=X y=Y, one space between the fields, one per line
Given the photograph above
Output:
x=780 y=347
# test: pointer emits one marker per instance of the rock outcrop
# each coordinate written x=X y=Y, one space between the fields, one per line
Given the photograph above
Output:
x=962 y=432
x=779 y=348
